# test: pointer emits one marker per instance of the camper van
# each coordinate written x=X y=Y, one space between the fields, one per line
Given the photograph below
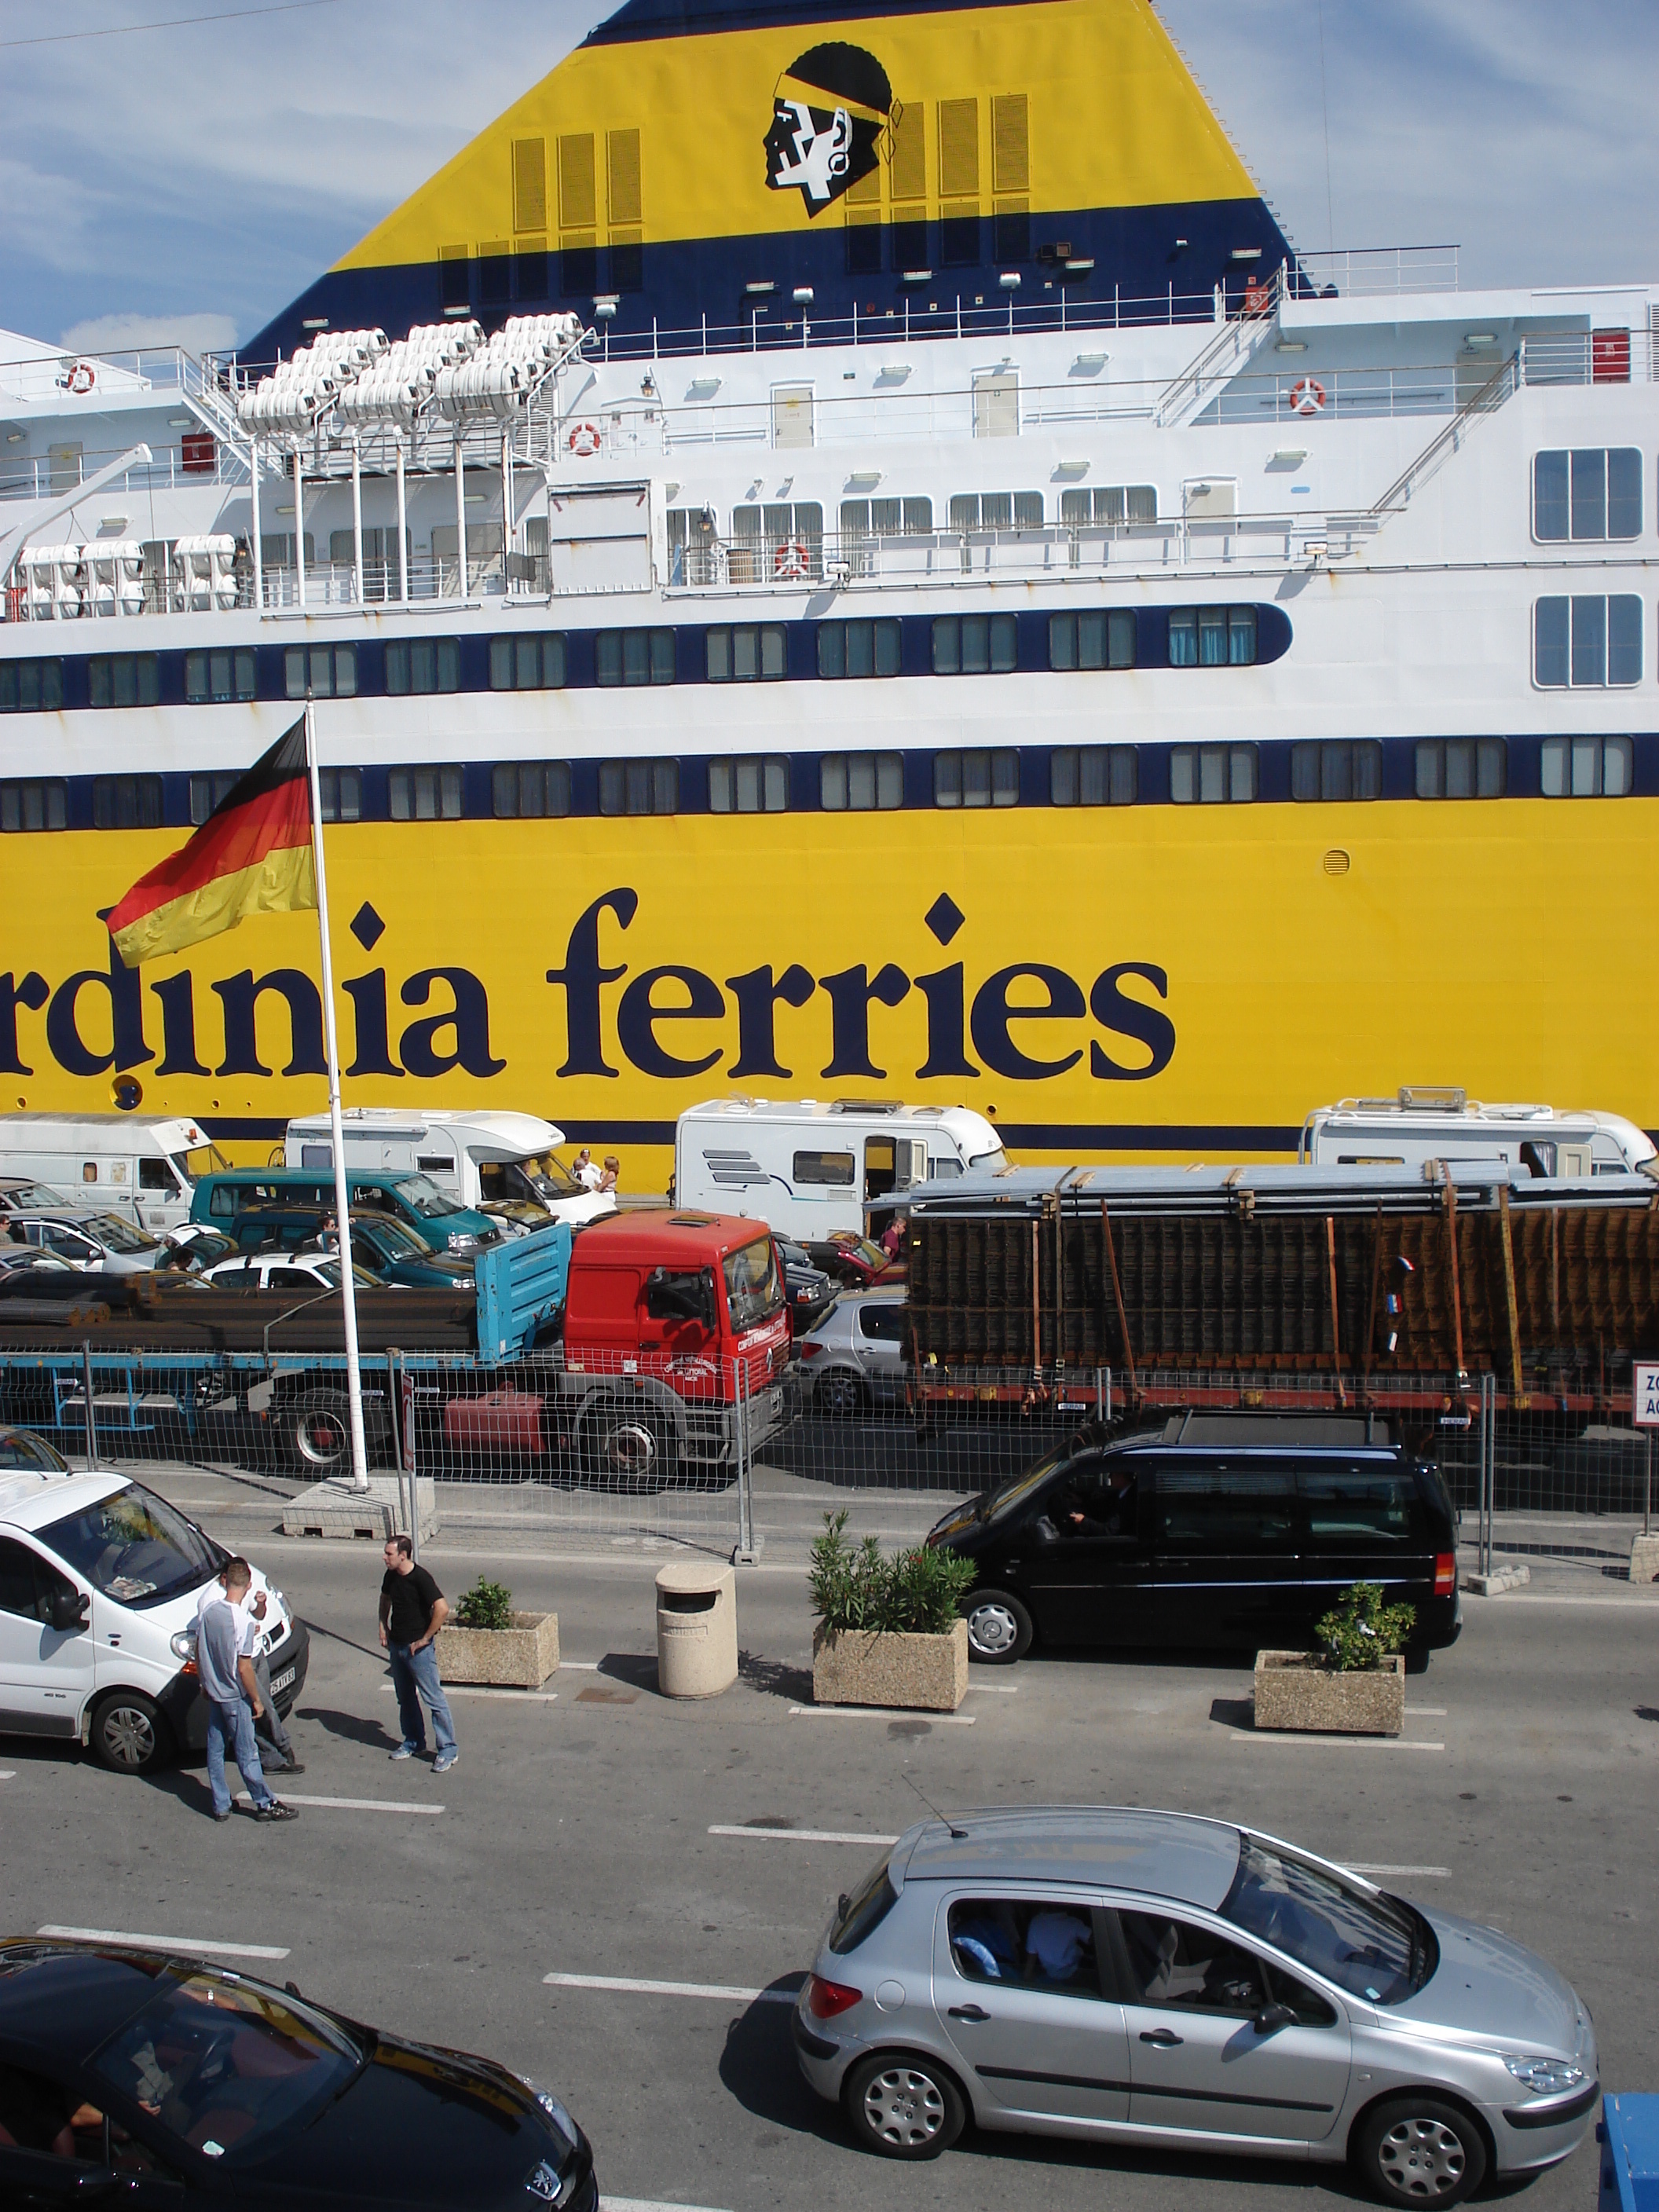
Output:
x=1419 y=1125
x=808 y=1167
x=141 y=1166
x=479 y=1159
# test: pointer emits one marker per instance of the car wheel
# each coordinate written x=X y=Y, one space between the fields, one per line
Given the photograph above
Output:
x=903 y=2106
x=1421 y=2151
x=842 y=1393
x=1417 y=1658
x=129 y=1735
x=626 y=1448
x=999 y=1629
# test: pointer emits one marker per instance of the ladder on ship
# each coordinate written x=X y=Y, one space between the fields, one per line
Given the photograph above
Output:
x=1220 y=359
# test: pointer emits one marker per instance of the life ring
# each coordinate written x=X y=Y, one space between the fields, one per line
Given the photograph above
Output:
x=791 y=561
x=81 y=378
x=1308 y=396
x=584 y=440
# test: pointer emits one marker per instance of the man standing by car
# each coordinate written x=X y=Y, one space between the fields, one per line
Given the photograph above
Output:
x=271 y=1737
x=412 y=1611
x=233 y=1694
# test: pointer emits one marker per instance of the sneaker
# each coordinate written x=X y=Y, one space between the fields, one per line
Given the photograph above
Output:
x=277 y=1811
x=408 y=1750
x=225 y=1815
x=294 y=1766
x=444 y=1761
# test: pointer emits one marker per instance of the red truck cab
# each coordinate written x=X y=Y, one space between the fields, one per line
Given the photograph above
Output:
x=682 y=1293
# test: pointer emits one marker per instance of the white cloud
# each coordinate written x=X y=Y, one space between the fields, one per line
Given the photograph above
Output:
x=197 y=333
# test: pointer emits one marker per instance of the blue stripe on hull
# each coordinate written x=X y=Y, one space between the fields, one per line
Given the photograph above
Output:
x=673 y=19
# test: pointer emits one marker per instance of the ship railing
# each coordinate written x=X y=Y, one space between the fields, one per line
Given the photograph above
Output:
x=334 y=583
x=1297 y=395
x=1619 y=356
x=1367 y=272
x=170 y=468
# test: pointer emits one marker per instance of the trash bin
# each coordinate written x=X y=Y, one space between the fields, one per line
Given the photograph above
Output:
x=1630 y=2154
x=696 y=1629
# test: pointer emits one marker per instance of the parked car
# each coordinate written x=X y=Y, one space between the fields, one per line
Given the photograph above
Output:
x=140 y=2077
x=854 y=1358
x=192 y=1246
x=285 y=1271
x=1157 y=1980
x=390 y=1249
x=21 y=1449
x=854 y=1260
x=810 y=1291
x=99 y=1583
x=23 y=1195
x=1210 y=1529
x=411 y=1197
x=103 y=1243
x=30 y=1260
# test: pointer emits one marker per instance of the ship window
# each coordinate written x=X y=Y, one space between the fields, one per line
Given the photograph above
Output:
x=526 y=664
x=857 y=783
x=527 y=790
x=639 y=787
x=859 y=648
x=342 y=792
x=752 y=786
x=28 y=687
x=1461 y=768
x=1208 y=776
x=973 y=645
x=34 y=803
x=207 y=791
x=1590 y=492
x=126 y=802
x=424 y=794
x=1212 y=637
x=634 y=656
x=219 y=676
x=1588 y=768
x=996 y=510
x=694 y=552
x=328 y=672
x=887 y=518
x=123 y=679
x=780 y=543
x=1101 y=638
x=749 y=653
x=1337 y=769
x=381 y=576
x=1093 y=775
x=1587 y=640
x=419 y=664
x=1113 y=506
x=981 y=777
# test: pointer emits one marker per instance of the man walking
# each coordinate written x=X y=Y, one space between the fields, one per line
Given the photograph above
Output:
x=272 y=1738
x=232 y=1690
x=412 y=1611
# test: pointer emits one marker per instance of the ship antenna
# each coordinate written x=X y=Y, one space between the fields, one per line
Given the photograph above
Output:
x=957 y=1835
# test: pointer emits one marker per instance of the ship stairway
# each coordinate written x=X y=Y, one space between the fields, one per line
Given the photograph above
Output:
x=1449 y=440
x=1237 y=342
x=213 y=407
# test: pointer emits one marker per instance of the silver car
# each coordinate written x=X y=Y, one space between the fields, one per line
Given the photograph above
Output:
x=854 y=1358
x=1155 y=1979
x=99 y=1244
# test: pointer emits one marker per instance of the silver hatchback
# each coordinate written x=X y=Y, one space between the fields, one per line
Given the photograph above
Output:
x=1156 y=1979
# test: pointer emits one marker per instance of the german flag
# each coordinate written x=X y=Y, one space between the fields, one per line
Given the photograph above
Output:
x=252 y=855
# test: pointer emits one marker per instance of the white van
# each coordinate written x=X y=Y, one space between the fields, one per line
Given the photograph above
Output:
x=143 y=1166
x=101 y=1580
x=1420 y=1125
x=487 y=1158
x=808 y=1167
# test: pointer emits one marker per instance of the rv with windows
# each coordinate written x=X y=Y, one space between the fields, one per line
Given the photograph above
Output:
x=480 y=1159
x=1420 y=1125
x=808 y=1167
x=141 y=1166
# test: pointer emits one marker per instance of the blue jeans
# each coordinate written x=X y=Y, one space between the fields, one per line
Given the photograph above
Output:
x=417 y=1671
x=235 y=1723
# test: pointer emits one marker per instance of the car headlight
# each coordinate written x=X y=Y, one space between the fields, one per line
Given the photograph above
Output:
x=461 y=1240
x=183 y=1645
x=1545 y=2076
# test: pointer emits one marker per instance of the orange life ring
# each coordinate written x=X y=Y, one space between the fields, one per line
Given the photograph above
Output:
x=81 y=377
x=791 y=561
x=1308 y=396
x=584 y=440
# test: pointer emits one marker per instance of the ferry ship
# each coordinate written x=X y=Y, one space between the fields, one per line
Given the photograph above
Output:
x=845 y=549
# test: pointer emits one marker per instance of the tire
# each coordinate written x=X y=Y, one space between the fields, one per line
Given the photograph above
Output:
x=317 y=1432
x=900 y=2105
x=1420 y=2150
x=129 y=1735
x=842 y=1394
x=1417 y=1658
x=627 y=1449
x=999 y=1629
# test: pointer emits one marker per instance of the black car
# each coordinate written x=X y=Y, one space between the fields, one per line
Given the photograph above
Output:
x=1210 y=1530
x=149 y=2080
x=811 y=1293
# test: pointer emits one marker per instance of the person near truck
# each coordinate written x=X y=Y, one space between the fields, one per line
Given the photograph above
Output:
x=232 y=1690
x=276 y=1747
x=412 y=1611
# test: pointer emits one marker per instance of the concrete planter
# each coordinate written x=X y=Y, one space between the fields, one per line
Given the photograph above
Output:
x=518 y=1658
x=923 y=1674
x=1295 y=1690
x=1644 y=1561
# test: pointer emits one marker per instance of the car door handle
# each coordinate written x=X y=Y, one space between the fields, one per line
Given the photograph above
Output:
x=1162 y=2037
x=968 y=2012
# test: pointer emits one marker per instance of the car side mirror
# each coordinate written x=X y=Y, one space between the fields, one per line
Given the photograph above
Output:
x=69 y=1609
x=1274 y=2016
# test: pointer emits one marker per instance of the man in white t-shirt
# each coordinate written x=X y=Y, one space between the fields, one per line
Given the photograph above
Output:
x=250 y=1609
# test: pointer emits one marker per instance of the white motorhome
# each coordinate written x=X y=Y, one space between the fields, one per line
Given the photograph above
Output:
x=1420 y=1125
x=808 y=1167
x=141 y=1166
x=489 y=1157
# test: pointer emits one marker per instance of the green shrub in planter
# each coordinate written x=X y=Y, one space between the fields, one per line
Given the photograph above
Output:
x=917 y=1593
x=486 y=1605
x=1361 y=1632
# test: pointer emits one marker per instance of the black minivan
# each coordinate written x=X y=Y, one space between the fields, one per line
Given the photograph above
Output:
x=1212 y=1529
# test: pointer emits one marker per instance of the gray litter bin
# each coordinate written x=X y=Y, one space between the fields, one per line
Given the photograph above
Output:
x=696 y=1629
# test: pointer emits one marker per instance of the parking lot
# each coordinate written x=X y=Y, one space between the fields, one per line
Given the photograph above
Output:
x=601 y=1836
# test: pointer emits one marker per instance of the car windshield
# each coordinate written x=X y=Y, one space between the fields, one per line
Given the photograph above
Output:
x=547 y=1176
x=225 y=2068
x=119 y=1235
x=989 y=1161
x=402 y=1235
x=424 y=1195
x=19 y=1449
x=134 y=1547
x=860 y=1248
x=752 y=1293
x=1375 y=1946
x=20 y=1196
x=863 y=1912
x=1019 y=1488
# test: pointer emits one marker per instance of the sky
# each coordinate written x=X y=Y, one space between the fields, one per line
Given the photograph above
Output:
x=186 y=183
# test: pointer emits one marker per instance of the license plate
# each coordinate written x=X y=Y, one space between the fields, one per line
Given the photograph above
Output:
x=281 y=1681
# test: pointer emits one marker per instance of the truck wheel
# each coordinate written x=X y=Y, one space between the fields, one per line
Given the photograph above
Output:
x=129 y=1735
x=841 y=1393
x=626 y=1448
x=999 y=1629
x=317 y=1432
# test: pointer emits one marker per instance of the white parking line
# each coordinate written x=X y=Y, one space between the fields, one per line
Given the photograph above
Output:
x=8 y=1774
x=993 y=1689
x=582 y=1667
x=167 y=1942
x=646 y=2204
x=1365 y=1866
x=1338 y=1742
x=806 y=1835
x=877 y=1713
x=350 y=1804
x=624 y=1982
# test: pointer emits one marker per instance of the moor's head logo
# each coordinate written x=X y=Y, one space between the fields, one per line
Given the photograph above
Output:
x=828 y=112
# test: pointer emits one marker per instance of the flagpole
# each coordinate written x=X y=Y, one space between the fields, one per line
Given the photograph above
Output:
x=331 y=1043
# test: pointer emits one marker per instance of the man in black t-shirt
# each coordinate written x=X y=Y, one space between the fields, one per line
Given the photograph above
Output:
x=412 y=1611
